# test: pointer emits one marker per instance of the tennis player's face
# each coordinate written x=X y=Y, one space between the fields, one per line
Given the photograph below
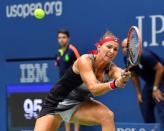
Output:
x=63 y=39
x=109 y=50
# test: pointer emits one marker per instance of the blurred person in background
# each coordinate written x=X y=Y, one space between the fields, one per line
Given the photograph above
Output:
x=64 y=59
x=151 y=70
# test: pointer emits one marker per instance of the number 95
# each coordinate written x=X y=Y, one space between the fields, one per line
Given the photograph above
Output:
x=32 y=108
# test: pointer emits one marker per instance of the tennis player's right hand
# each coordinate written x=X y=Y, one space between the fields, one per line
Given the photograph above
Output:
x=122 y=80
x=125 y=75
x=120 y=83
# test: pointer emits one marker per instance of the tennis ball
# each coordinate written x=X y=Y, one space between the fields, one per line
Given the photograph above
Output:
x=39 y=13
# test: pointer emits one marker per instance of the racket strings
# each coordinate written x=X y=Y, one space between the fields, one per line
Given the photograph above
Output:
x=133 y=48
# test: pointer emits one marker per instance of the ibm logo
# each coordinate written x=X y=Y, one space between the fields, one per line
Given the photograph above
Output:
x=33 y=73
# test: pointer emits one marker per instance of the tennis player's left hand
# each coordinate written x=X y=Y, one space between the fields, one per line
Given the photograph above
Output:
x=158 y=95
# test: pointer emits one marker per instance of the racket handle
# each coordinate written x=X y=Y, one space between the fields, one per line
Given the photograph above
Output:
x=128 y=68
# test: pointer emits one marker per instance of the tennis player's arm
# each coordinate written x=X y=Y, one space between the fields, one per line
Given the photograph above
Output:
x=85 y=69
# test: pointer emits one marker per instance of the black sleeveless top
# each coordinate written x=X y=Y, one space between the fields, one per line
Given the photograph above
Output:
x=68 y=91
x=66 y=84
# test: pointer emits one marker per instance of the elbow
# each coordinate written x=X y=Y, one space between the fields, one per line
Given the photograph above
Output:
x=95 y=94
x=94 y=91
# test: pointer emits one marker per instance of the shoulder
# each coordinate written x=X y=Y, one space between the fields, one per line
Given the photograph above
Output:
x=84 y=59
x=83 y=62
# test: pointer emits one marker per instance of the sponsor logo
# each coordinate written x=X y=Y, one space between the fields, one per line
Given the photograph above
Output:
x=27 y=9
x=156 y=29
x=34 y=73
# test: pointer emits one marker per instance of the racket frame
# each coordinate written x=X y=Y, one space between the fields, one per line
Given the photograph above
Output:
x=129 y=62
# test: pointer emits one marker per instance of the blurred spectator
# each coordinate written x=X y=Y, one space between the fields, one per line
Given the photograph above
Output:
x=151 y=70
x=65 y=57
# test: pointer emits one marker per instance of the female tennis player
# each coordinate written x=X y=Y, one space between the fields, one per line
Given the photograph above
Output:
x=67 y=101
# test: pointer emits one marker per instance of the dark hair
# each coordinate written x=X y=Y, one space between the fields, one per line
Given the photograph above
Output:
x=63 y=31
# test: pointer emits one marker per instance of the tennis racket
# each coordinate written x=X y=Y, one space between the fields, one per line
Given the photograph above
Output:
x=134 y=47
